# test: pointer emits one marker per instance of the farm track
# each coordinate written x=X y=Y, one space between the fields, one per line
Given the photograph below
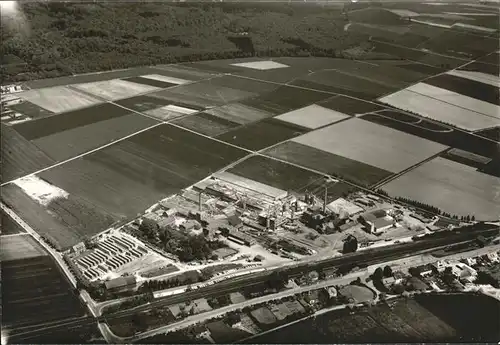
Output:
x=395 y=176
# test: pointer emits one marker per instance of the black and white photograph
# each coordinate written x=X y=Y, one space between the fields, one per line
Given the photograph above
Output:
x=250 y=172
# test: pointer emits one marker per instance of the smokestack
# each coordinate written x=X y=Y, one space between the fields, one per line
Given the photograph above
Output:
x=199 y=201
x=325 y=200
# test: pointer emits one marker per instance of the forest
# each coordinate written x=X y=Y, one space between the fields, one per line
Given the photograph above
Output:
x=60 y=38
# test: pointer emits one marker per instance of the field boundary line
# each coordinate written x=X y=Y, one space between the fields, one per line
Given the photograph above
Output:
x=407 y=170
x=83 y=154
x=458 y=106
x=378 y=104
x=215 y=139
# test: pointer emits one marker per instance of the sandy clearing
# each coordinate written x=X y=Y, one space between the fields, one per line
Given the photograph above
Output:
x=239 y=113
x=261 y=65
x=475 y=14
x=169 y=112
x=58 y=99
x=477 y=76
x=435 y=109
x=431 y=23
x=457 y=99
x=442 y=183
x=475 y=27
x=19 y=247
x=405 y=13
x=312 y=116
x=166 y=79
x=115 y=89
x=40 y=190
x=372 y=144
x=181 y=110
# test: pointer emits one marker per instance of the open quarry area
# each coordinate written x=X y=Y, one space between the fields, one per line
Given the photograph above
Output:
x=215 y=172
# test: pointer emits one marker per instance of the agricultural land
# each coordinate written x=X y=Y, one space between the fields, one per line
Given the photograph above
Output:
x=205 y=172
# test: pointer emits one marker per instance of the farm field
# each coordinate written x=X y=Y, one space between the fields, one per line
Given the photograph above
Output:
x=170 y=112
x=349 y=106
x=70 y=134
x=345 y=83
x=262 y=134
x=65 y=334
x=284 y=99
x=89 y=77
x=425 y=318
x=441 y=182
x=142 y=169
x=462 y=101
x=203 y=94
x=63 y=221
x=19 y=247
x=398 y=52
x=453 y=138
x=30 y=109
x=491 y=133
x=205 y=123
x=476 y=76
x=482 y=68
x=438 y=110
x=8 y=226
x=58 y=99
x=328 y=163
x=114 y=89
x=239 y=113
x=275 y=173
x=371 y=144
x=35 y=291
x=143 y=103
x=53 y=124
x=312 y=116
x=20 y=156
x=461 y=44
x=70 y=143
x=406 y=321
x=150 y=82
x=464 y=86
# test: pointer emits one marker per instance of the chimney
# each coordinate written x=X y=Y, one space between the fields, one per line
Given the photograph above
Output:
x=199 y=201
x=325 y=200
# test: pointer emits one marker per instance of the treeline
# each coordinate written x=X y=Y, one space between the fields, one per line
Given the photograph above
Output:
x=67 y=38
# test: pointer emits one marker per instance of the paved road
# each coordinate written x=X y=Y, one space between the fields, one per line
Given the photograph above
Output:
x=192 y=320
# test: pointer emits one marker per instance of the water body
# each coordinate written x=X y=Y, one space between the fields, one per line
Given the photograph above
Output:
x=424 y=318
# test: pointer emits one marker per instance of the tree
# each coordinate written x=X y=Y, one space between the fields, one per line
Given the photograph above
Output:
x=387 y=271
x=149 y=228
x=378 y=274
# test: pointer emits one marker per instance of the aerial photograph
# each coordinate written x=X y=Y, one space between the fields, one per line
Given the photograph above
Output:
x=250 y=172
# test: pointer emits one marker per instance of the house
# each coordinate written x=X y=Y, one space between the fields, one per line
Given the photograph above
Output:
x=312 y=277
x=329 y=272
x=332 y=292
x=464 y=272
x=379 y=225
x=493 y=257
x=120 y=284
